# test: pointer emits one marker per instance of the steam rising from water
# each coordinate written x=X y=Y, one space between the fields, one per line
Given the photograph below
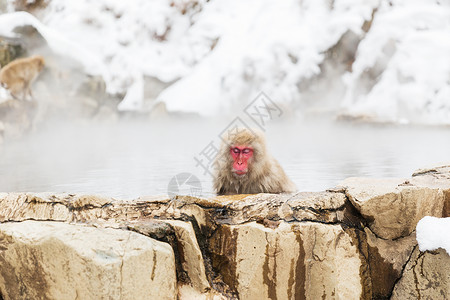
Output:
x=132 y=159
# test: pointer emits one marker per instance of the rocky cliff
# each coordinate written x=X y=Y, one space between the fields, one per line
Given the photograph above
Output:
x=356 y=241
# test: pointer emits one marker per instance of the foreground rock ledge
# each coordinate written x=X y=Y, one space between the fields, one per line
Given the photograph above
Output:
x=49 y=260
x=355 y=241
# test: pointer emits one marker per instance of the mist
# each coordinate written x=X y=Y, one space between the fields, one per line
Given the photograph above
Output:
x=129 y=159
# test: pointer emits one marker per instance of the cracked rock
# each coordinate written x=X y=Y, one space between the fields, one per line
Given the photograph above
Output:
x=54 y=260
x=392 y=207
x=295 y=261
x=426 y=276
x=352 y=242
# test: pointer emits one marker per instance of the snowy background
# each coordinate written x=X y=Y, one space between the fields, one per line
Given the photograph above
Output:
x=375 y=60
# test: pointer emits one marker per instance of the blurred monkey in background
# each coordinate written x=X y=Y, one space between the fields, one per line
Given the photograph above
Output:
x=18 y=76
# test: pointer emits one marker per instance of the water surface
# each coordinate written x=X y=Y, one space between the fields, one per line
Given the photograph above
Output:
x=132 y=159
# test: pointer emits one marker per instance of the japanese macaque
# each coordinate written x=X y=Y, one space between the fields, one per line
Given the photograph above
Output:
x=18 y=75
x=243 y=166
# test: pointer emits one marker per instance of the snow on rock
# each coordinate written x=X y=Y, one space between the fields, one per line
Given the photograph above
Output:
x=221 y=54
x=267 y=46
x=402 y=67
x=134 y=97
x=55 y=39
x=433 y=233
x=156 y=38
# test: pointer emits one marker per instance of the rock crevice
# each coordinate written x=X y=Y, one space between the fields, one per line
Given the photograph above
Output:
x=355 y=241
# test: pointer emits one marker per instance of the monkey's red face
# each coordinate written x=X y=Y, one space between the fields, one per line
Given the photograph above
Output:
x=241 y=156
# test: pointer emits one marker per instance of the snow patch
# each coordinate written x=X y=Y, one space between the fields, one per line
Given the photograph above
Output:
x=134 y=97
x=433 y=233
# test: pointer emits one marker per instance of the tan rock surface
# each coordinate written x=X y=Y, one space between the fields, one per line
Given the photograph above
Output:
x=352 y=242
x=191 y=255
x=304 y=206
x=326 y=207
x=426 y=276
x=54 y=260
x=438 y=177
x=392 y=207
x=295 y=261
x=187 y=292
x=384 y=260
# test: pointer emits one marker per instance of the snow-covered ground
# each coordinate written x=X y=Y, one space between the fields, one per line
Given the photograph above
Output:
x=433 y=233
x=407 y=50
x=222 y=53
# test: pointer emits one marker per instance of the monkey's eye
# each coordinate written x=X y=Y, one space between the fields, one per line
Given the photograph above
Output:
x=246 y=151
x=236 y=150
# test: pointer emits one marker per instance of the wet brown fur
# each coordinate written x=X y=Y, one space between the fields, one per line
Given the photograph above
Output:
x=18 y=75
x=264 y=175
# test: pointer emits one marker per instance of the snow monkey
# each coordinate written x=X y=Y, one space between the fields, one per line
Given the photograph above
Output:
x=18 y=75
x=243 y=166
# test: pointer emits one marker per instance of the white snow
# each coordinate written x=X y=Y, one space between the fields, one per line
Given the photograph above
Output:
x=134 y=97
x=56 y=40
x=409 y=43
x=267 y=46
x=222 y=53
x=433 y=233
x=132 y=37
